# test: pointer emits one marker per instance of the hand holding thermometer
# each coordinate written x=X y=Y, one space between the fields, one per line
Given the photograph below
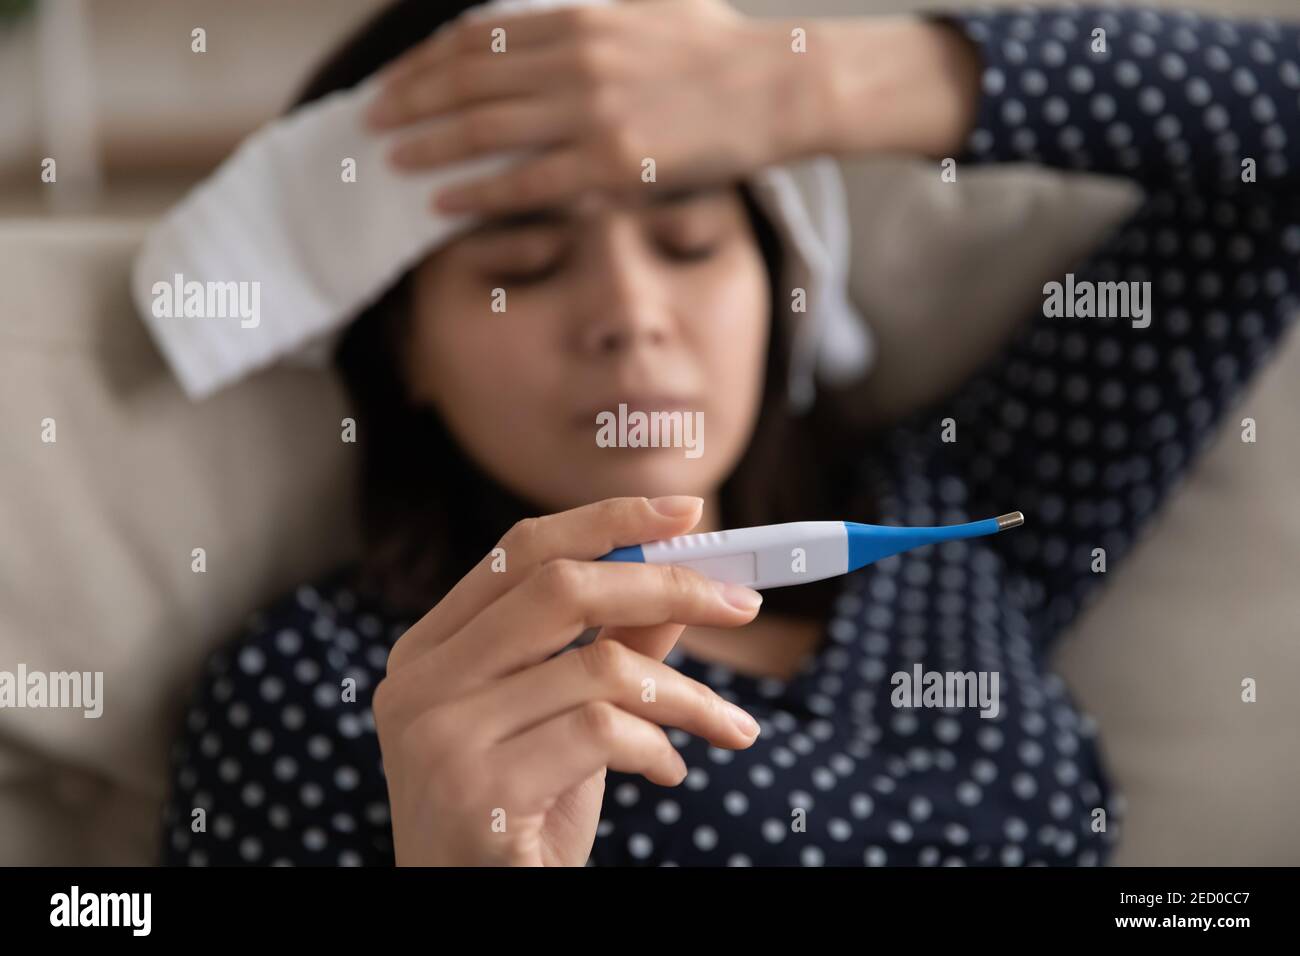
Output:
x=769 y=556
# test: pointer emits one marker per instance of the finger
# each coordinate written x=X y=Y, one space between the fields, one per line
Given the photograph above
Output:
x=548 y=759
x=583 y=533
x=462 y=82
x=551 y=179
x=608 y=671
x=537 y=619
x=476 y=35
x=430 y=680
x=510 y=124
x=654 y=641
x=563 y=598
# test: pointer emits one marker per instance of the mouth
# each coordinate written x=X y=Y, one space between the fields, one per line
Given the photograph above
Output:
x=645 y=402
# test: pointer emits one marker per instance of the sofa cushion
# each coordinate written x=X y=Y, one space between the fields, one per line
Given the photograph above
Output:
x=100 y=526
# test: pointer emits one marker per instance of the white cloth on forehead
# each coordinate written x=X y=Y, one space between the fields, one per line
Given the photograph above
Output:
x=279 y=214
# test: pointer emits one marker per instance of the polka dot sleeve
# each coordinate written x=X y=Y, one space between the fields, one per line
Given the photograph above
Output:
x=1093 y=413
x=1165 y=98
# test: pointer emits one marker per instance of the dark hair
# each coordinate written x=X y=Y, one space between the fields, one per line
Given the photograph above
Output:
x=429 y=513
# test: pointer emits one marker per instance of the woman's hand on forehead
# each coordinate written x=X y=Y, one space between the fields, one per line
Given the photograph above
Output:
x=614 y=98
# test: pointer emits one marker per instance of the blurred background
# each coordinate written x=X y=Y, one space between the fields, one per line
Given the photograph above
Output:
x=133 y=115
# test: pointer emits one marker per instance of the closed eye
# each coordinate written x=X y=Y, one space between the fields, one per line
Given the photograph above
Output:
x=530 y=276
x=690 y=253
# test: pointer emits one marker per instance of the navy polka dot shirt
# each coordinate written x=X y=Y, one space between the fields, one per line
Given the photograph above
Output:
x=1084 y=423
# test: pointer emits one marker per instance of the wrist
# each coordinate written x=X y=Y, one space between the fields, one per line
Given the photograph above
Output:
x=895 y=84
x=798 y=86
x=959 y=66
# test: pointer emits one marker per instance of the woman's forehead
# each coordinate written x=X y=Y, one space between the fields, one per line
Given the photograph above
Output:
x=595 y=204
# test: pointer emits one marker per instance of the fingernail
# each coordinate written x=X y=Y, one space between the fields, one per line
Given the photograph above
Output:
x=682 y=770
x=674 y=506
x=746 y=724
x=739 y=596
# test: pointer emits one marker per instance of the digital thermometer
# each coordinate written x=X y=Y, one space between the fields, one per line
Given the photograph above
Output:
x=778 y=555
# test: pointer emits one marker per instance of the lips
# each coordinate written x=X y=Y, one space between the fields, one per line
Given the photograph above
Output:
x=646 y=403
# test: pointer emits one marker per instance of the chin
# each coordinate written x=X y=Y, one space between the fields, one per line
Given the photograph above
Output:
x=649 y=472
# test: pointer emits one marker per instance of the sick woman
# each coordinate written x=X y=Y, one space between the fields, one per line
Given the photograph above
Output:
x=516 y=702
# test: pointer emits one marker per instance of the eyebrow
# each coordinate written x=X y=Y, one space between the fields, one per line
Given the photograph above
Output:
x=560 y=215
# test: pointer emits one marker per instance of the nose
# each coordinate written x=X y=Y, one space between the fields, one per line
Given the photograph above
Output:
x=624 y=304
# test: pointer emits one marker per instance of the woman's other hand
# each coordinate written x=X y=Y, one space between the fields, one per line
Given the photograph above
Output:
x=708 y=94
x=494 y=748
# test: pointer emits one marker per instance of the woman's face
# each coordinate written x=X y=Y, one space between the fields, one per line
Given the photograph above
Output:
x=526 y=330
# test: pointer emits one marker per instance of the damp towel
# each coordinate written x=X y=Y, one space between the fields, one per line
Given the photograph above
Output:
x=278 y=219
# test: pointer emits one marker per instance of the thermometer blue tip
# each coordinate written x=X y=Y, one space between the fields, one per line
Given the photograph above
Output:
x=870 y=542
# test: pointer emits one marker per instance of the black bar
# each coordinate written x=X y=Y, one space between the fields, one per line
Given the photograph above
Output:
x=366 y=906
